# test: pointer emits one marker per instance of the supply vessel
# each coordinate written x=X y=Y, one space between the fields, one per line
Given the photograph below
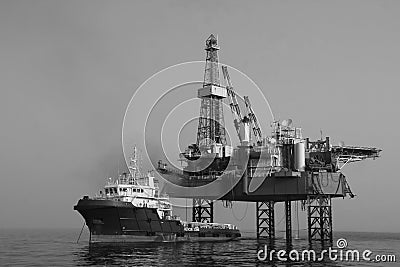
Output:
x=132 y=209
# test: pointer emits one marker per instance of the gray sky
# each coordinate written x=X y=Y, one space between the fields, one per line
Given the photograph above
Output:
x=69 y=68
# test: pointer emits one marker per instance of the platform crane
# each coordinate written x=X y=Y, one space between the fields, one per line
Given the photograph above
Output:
x=253 y=120
x=235 y=108
x=237 y=116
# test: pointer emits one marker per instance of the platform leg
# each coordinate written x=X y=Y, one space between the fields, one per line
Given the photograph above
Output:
x=320 y=220
x=288 y=217
x=265 y=220
x=203 y=210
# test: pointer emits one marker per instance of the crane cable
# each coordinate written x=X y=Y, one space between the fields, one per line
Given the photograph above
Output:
x=244 y=215
x=83 y=226
x=233 y=199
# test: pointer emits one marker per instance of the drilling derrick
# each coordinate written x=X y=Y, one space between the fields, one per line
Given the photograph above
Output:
x=211 y=122
x=209 y=156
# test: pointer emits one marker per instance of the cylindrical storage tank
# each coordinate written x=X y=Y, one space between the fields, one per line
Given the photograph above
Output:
x=300 y=156
x=245 y=132
x=280 y=156
x=245 y=184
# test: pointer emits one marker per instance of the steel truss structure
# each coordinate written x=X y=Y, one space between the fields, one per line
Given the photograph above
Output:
x=203 y=210
x=265 y=220
x=320 y=219
x=211 y=128
x=288 y=217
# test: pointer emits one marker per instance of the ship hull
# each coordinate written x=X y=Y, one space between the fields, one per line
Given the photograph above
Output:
x=160 y=238
x=122 y=221
x=112 y=221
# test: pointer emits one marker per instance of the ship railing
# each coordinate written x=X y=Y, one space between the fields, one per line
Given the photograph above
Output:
x=164 y=208
x=164 y=197
x=219 y=226
x=190 y=229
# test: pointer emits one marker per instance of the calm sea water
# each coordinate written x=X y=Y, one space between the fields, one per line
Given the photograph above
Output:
x=59 y=248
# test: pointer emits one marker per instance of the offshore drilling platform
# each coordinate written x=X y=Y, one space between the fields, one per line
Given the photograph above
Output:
x=281 y=167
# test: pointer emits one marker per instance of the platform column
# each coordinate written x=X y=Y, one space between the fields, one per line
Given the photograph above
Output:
x=265 y=220
x=203 y=210
x=320 y=219
x=288 y=217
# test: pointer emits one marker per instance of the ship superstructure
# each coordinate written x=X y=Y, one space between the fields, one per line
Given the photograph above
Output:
x=142 y=190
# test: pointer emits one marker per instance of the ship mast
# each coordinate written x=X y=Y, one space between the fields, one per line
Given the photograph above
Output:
x=134 y=166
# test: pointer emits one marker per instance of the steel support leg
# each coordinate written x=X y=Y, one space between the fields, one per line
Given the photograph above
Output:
x=265 y=220
x=320 y=219
x=288 y=215
x=203 y=210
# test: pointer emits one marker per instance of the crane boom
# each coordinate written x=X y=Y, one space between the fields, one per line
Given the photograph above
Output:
x=253 y=120
x=237 y=116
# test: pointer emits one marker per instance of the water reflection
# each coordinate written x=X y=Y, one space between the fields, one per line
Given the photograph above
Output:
x=235 y=253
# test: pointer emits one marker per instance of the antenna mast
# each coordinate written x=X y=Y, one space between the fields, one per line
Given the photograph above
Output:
x=134 y=165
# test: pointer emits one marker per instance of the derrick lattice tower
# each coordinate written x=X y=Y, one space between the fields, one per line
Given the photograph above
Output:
x=211 y=128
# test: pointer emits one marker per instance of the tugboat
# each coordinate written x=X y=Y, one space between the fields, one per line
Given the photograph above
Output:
x=132 y=209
